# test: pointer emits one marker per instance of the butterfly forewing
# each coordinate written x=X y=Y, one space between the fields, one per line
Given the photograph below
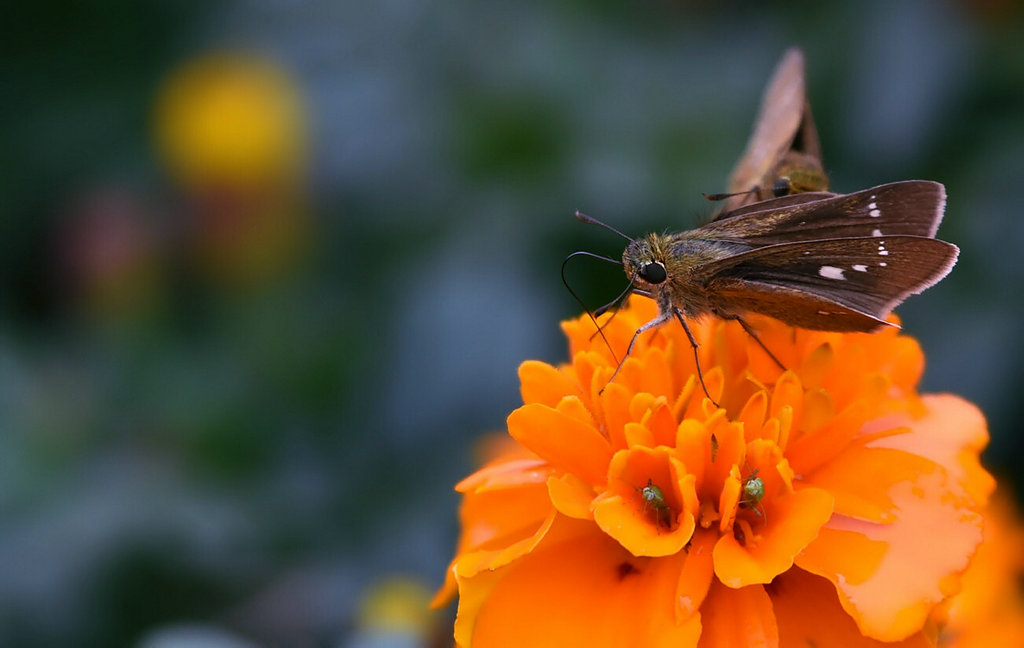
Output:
x=800 y=282
x=777 y=122
x=778 y=203
x=912 y=207
x=783 y=146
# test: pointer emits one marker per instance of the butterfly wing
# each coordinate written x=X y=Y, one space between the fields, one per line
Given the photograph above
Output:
x=911 y=207
x=778 y=120
x=778 y=203
x=836 y=285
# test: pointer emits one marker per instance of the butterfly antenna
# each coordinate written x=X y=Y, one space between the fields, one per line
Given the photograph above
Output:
x=580 y=301
x=715 y=197
x=590 y=220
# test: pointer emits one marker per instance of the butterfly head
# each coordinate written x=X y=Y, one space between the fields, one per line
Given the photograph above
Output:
x=645 y=262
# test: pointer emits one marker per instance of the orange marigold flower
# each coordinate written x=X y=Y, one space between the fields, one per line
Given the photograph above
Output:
x=804 y=511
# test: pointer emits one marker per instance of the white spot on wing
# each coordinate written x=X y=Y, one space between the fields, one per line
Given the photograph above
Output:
x=883 y=264
x=875 y=213
x=860 y=268
x=876 y=232
x=831 y=272
x=873 y=205
x=883 y=253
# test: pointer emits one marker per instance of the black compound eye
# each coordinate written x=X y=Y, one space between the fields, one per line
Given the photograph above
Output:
x=782 y=187
x=653 y=273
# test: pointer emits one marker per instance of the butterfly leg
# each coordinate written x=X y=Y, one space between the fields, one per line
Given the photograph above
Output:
x=752 y=333
x=657 y=321
x=696 y=358
x=621 y=299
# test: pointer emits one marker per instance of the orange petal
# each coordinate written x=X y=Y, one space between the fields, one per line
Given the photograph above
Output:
x=792 y=522
x=696 y=574
x=579 y=332
x=989 y=611
x=788 y=392
x=448 y=589
x=656 y=377
x=661 y=423
x=860 y=479
x=685 y=397
x=729 y=499
x=505 y=474
x=900 y=358
x=571 y=496
x=572 y=406
x=951 y=432
x=544 y=384
x=564 y=441
x=615 y=403
x=761 y=366
x=832 y=543
x=818 y=410
x=738 y=618
x=581 y=589
x=929 y=546
x=502 y=505
x=624 y=515
x=474 y=590
x=732 y=448
x=590 y=369
x=637 y=434
x=806 y=453
x=470 y=563
x=714 y=380
x=472 y=596
x=754 y=412
x=640 y=405
x=624 y=520
x=498 y=517
x=816 y=366
x=808 y=614
x=694 y=447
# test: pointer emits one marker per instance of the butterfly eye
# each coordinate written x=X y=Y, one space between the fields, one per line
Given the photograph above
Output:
x=653 y=273
x=782 y=187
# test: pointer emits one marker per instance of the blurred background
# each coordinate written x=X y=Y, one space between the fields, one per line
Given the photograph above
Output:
x=268 y=268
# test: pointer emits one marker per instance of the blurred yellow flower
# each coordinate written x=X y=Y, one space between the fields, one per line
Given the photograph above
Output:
x=230 y=119
x=397 y=604
x=232 y=132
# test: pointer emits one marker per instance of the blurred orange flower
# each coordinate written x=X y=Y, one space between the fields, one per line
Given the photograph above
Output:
x=989 y=611
x=804 y=511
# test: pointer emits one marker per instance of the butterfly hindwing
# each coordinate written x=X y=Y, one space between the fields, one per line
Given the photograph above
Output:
x=866 y=275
